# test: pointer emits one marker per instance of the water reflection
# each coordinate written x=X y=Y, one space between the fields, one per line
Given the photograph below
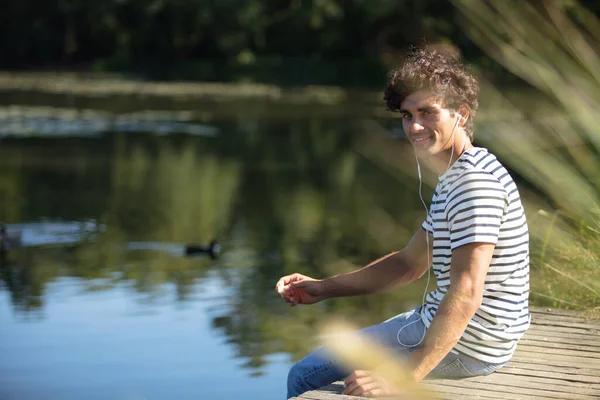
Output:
x=48 y=233
x=49 y=121
x=24 y=285
x=279 y=196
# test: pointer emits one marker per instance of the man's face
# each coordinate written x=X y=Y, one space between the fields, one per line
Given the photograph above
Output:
x=428 y=124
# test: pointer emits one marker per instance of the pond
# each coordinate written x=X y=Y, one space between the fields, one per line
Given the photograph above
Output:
x=99 y=301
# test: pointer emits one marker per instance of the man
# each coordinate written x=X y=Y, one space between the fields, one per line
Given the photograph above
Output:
x=475 y=237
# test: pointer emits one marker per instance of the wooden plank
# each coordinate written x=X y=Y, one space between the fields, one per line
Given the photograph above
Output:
x=551 y=386
x=335 y=389
x=498 y=394
x=576 y=355
x=578 y=331
x=318 y=395
x=531 y=347
x=551 y=314
x=463 y=395
x=441 y=392
x=586 y=341
x=593 y=341
x=582 y=368
x=561 y=318
x=527 y=370
x=458 y=393
x=556 y=312
x=574 y=318
x=575 y=373
x=329 y=392
x=547 y=384
x=565 y=324
x=555 y=365
x=333 y=392
x=566 y=327
x=545 y=320
x=575 y=360
x=541 y=340
x=560 y=312
x=562 y=339
x=553 y=378
x=528 y=341
x=516 y=390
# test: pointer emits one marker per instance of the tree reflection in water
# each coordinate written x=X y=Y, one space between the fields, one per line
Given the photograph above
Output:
x=280 y=196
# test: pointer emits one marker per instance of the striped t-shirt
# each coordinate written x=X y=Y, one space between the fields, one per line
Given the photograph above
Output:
x=476 y=200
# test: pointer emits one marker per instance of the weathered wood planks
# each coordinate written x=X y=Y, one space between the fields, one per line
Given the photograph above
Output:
x=557 y=359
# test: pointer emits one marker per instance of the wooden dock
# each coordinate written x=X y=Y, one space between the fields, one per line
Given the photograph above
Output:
x=557 y=359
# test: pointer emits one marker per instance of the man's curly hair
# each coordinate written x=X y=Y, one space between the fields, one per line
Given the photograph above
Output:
x=443 y=74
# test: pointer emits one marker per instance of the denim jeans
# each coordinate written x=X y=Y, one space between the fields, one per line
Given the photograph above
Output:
x=319 y=369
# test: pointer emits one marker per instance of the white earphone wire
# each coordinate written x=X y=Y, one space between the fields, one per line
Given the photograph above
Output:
x=427 y=242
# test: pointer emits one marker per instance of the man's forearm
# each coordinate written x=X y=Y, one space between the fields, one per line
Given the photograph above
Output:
x=450 y=321
x=378 y=276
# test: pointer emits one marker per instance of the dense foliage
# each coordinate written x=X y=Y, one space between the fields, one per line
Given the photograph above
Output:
x=286 y=41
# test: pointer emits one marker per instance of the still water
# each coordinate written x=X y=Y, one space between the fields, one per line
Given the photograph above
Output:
x=84 y=315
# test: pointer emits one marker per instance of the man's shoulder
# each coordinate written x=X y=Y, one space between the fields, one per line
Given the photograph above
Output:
x=479 y=169
x=479 y=159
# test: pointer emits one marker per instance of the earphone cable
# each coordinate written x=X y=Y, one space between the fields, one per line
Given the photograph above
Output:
x=429 y=266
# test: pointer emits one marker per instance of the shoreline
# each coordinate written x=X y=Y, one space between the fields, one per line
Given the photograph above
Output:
x=101 y=85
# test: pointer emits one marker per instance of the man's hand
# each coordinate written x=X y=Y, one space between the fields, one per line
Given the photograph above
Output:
x=300 y=289
x=367 y=384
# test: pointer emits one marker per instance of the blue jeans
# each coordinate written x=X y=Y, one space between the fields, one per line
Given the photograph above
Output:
x=319 y=369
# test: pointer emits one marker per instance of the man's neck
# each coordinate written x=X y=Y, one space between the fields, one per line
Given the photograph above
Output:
x=442 y=163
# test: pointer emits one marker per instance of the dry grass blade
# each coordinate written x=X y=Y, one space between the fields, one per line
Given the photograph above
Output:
x=356 y=351
x=573 y=279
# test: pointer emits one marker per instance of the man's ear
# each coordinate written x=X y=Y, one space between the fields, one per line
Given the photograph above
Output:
x=464 y=113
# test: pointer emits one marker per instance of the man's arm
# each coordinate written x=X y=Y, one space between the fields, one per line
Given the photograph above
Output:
x=398 y=268
x=467 y=277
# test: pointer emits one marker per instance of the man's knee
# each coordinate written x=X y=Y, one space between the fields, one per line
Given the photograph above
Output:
x=293 y=374
x=295 y=381
x=310 y=373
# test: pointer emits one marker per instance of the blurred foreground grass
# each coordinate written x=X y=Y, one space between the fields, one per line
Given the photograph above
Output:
x=555 y=47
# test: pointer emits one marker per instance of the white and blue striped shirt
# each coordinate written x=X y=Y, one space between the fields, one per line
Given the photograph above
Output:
x=476 y=200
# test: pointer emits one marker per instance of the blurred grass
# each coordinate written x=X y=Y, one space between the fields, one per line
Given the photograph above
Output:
x=555 y=47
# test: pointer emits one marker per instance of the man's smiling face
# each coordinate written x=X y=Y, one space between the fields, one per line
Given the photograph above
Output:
x=429 y=125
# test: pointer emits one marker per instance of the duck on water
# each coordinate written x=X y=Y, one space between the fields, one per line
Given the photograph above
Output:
x=37 y=234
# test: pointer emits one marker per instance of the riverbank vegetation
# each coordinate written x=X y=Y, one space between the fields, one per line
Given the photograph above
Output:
x=348 y=43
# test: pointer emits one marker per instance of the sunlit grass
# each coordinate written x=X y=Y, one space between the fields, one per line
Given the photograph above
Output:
x=554 y=46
